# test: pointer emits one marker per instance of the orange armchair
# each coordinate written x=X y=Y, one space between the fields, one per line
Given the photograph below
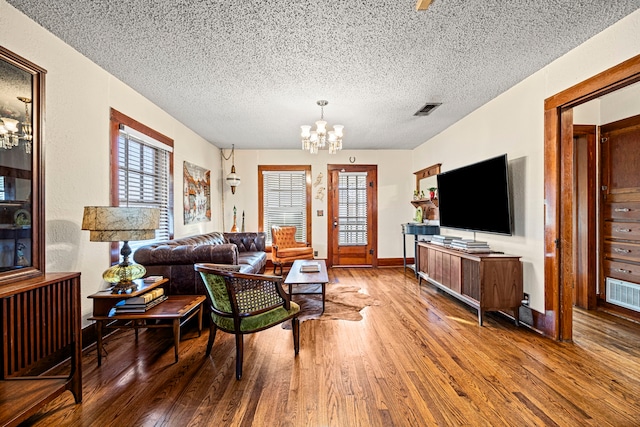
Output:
x=285 y=248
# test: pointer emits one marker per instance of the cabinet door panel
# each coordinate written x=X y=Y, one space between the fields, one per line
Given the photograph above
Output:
x=446 y=270
x=437 y=271
x=502 y=284
x=431 y=263
x=471 y=280
x=455 y=281
x=423 y=259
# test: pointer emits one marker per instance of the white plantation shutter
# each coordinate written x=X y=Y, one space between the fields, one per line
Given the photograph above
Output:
x=352 y=208
x=143 y=177
x=285 y=201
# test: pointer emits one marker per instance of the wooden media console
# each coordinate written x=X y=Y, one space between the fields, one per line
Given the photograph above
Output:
x=487 y=282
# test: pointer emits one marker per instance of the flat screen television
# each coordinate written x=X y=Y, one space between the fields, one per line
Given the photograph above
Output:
x=476 y=197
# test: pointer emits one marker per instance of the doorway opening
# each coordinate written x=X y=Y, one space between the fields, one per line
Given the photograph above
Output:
x=561 y=213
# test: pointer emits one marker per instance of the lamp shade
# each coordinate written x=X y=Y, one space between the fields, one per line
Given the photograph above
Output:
x=115 y=223
x=233 y=179
x=10 y=124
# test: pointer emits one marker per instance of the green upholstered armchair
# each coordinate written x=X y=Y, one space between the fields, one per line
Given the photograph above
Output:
x=246 y=303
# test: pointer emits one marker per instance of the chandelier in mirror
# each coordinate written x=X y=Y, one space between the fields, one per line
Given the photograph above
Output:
x=322 y=137
x=13 y=131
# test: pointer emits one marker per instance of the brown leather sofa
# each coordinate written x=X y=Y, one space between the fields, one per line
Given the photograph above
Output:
x=174 y=259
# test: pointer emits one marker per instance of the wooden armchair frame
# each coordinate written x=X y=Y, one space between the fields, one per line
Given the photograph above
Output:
x=246 y=303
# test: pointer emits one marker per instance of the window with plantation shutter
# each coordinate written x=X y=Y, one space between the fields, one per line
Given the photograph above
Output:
x=285 y=199
x=144 y=172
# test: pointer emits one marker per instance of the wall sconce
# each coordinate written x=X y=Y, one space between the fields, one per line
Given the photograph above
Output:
x=233 y=179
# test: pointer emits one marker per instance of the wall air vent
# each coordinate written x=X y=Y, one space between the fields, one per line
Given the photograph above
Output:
x=428 y=108
x=623 y=293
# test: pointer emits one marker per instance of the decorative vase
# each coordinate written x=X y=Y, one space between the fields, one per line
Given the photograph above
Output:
x=234 y=229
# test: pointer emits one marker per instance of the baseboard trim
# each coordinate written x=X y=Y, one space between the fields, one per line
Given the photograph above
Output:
x=393 y=262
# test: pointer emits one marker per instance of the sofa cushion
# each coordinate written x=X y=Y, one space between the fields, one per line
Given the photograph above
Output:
x=247 y=242
x=252 y=262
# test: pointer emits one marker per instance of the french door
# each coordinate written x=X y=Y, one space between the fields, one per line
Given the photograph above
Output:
x=352 y=215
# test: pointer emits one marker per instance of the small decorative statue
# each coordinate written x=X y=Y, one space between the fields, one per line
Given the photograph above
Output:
x=242 y=229
x=318 y=180
x=22 y=260
x=432 y=193
x=234 y=229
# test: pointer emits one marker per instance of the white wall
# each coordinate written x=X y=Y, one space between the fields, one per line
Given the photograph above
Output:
x=79 y=95
x=395 y=189
x=613 y=106
x=513 y=123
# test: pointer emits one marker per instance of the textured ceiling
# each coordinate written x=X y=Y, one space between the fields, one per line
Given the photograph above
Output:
x=249 y=72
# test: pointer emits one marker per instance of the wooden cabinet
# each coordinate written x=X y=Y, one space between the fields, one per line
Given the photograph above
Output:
x=40 y=322
x=620 y=215
x=487 y=282
x=621 y=245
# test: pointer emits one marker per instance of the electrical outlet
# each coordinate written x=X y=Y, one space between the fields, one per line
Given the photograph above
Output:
x=525 y=299
x=315 y=253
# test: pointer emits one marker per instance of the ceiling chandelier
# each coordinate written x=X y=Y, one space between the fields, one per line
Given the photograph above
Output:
x=10 y=135
x=321 y=137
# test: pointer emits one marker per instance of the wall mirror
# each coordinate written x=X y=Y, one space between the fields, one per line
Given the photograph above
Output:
x=425 y=195
x=21 y=186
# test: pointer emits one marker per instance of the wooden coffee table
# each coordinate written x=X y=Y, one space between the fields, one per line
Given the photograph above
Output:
x=296 y=277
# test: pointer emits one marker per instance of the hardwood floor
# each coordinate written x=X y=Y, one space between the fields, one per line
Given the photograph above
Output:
x=418 y=358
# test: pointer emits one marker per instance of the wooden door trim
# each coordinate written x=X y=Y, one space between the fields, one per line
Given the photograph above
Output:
x=589 y=270
x=373 y=226
x=558 y=179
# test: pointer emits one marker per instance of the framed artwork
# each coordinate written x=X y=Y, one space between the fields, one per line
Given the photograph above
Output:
x=197 y=194
x=21 y=186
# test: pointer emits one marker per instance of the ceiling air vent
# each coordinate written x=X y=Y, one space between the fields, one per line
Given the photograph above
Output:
x=428 y=108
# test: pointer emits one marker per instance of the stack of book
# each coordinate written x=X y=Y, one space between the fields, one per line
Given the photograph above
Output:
x=141 y=303
x=439 y=239
x=471 y=246
x=310 y=267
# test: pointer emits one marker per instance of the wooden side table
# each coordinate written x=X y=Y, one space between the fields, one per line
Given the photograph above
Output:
x=177 y=308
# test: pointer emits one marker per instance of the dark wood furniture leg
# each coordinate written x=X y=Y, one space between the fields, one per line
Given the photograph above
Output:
x=176 y=337
x=99 y=332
